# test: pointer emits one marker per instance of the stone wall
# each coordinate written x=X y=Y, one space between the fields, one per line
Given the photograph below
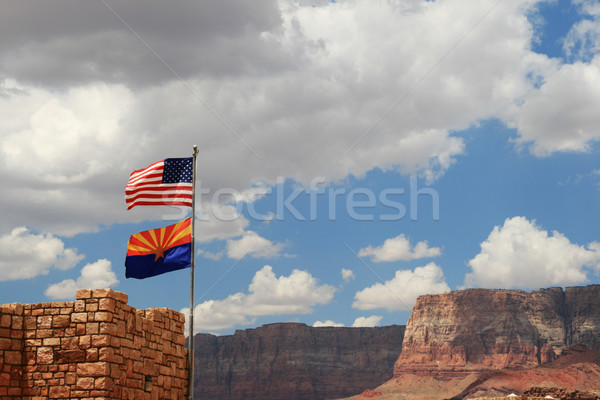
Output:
x=96 y=347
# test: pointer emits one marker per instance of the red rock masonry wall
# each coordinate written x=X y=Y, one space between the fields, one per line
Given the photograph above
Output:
x=97 y=347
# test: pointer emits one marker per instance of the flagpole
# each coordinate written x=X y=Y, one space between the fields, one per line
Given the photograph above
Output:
x=193 y=256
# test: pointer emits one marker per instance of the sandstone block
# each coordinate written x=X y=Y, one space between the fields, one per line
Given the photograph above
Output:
x=61 y=321
x=45 y=355
x=121 y=297
x=70 y=378
x=103 y=316
x=4 y=379
x=5 y=343
x=79 y=306
x=121 y=329
x=43 y=333
x=16 y=334
x=95 y=369
x=91 y=307
x=107 y=304
x=30 y=322
x=69 y=343
x=81 y=394
x=108 y=328
x=99 y=293
x=36 y=309
x=86 y=383
x=59 y=392
x=53 y=341
x=17 y=322
x=79 y=317
x=83 y=294
x=85 y=341
x=5 y=321
x=69 y=356
x=101 y=340
x=99 y=394
x=91 y=354
x=106 y=354
x=44 y=321
x=51 y=311
x=66 y=310
x=103 y=383
x=91 y=328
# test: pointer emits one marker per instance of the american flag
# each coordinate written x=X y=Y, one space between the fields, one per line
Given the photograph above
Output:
x=166 y=182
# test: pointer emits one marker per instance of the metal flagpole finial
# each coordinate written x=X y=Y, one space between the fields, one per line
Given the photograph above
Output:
x=195 y=149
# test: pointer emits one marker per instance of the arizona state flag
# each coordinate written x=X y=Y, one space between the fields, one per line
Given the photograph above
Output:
x=161 y=250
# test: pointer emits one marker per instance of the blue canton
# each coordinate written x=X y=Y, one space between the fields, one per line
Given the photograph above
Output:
x=177 y=170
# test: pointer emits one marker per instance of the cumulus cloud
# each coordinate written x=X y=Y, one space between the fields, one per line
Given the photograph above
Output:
x=254 y=245
x=211 y=255
x=347 y=275
x=219 y=222
x=193 y=39
x=96 y=275
x=399 y=248
x=367 y=322
x=521 y=254
x=25 y=255
x=267 y=294
x=75 y=121
x=321 y=324
x=401 y=292
x=560 y=115
x=583 y=40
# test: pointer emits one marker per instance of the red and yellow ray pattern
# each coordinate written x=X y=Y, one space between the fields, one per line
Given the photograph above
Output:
x=157 y=241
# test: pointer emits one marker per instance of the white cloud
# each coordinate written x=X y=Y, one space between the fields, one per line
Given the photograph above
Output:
x=96 y=275
x=367 y=322
x=74 y=122
x=254 y=245
x=24 y=255
x=219 y=222
x=399 y=248
x=321 y=324
x=522 y=254
x=210 y=255
x=401 y=292
x=561 y=115
x=267 y=294
x=583 y=39
x=347 y=275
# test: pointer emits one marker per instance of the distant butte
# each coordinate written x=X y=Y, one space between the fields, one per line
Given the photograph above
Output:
x=476 y=342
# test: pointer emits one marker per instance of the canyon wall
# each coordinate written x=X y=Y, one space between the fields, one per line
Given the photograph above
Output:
x=473 y=330
x=294 y=361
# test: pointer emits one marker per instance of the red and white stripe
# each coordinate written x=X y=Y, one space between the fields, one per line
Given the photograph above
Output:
x=145 y=188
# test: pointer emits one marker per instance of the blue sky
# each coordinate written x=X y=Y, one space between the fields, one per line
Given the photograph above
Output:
x=354 y=155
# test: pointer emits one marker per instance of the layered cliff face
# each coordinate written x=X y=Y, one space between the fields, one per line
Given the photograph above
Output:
x=583 y=315
x=294 y=361
x=473 y=330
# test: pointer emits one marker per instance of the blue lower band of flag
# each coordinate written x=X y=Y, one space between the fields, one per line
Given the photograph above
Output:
x=145 y=266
